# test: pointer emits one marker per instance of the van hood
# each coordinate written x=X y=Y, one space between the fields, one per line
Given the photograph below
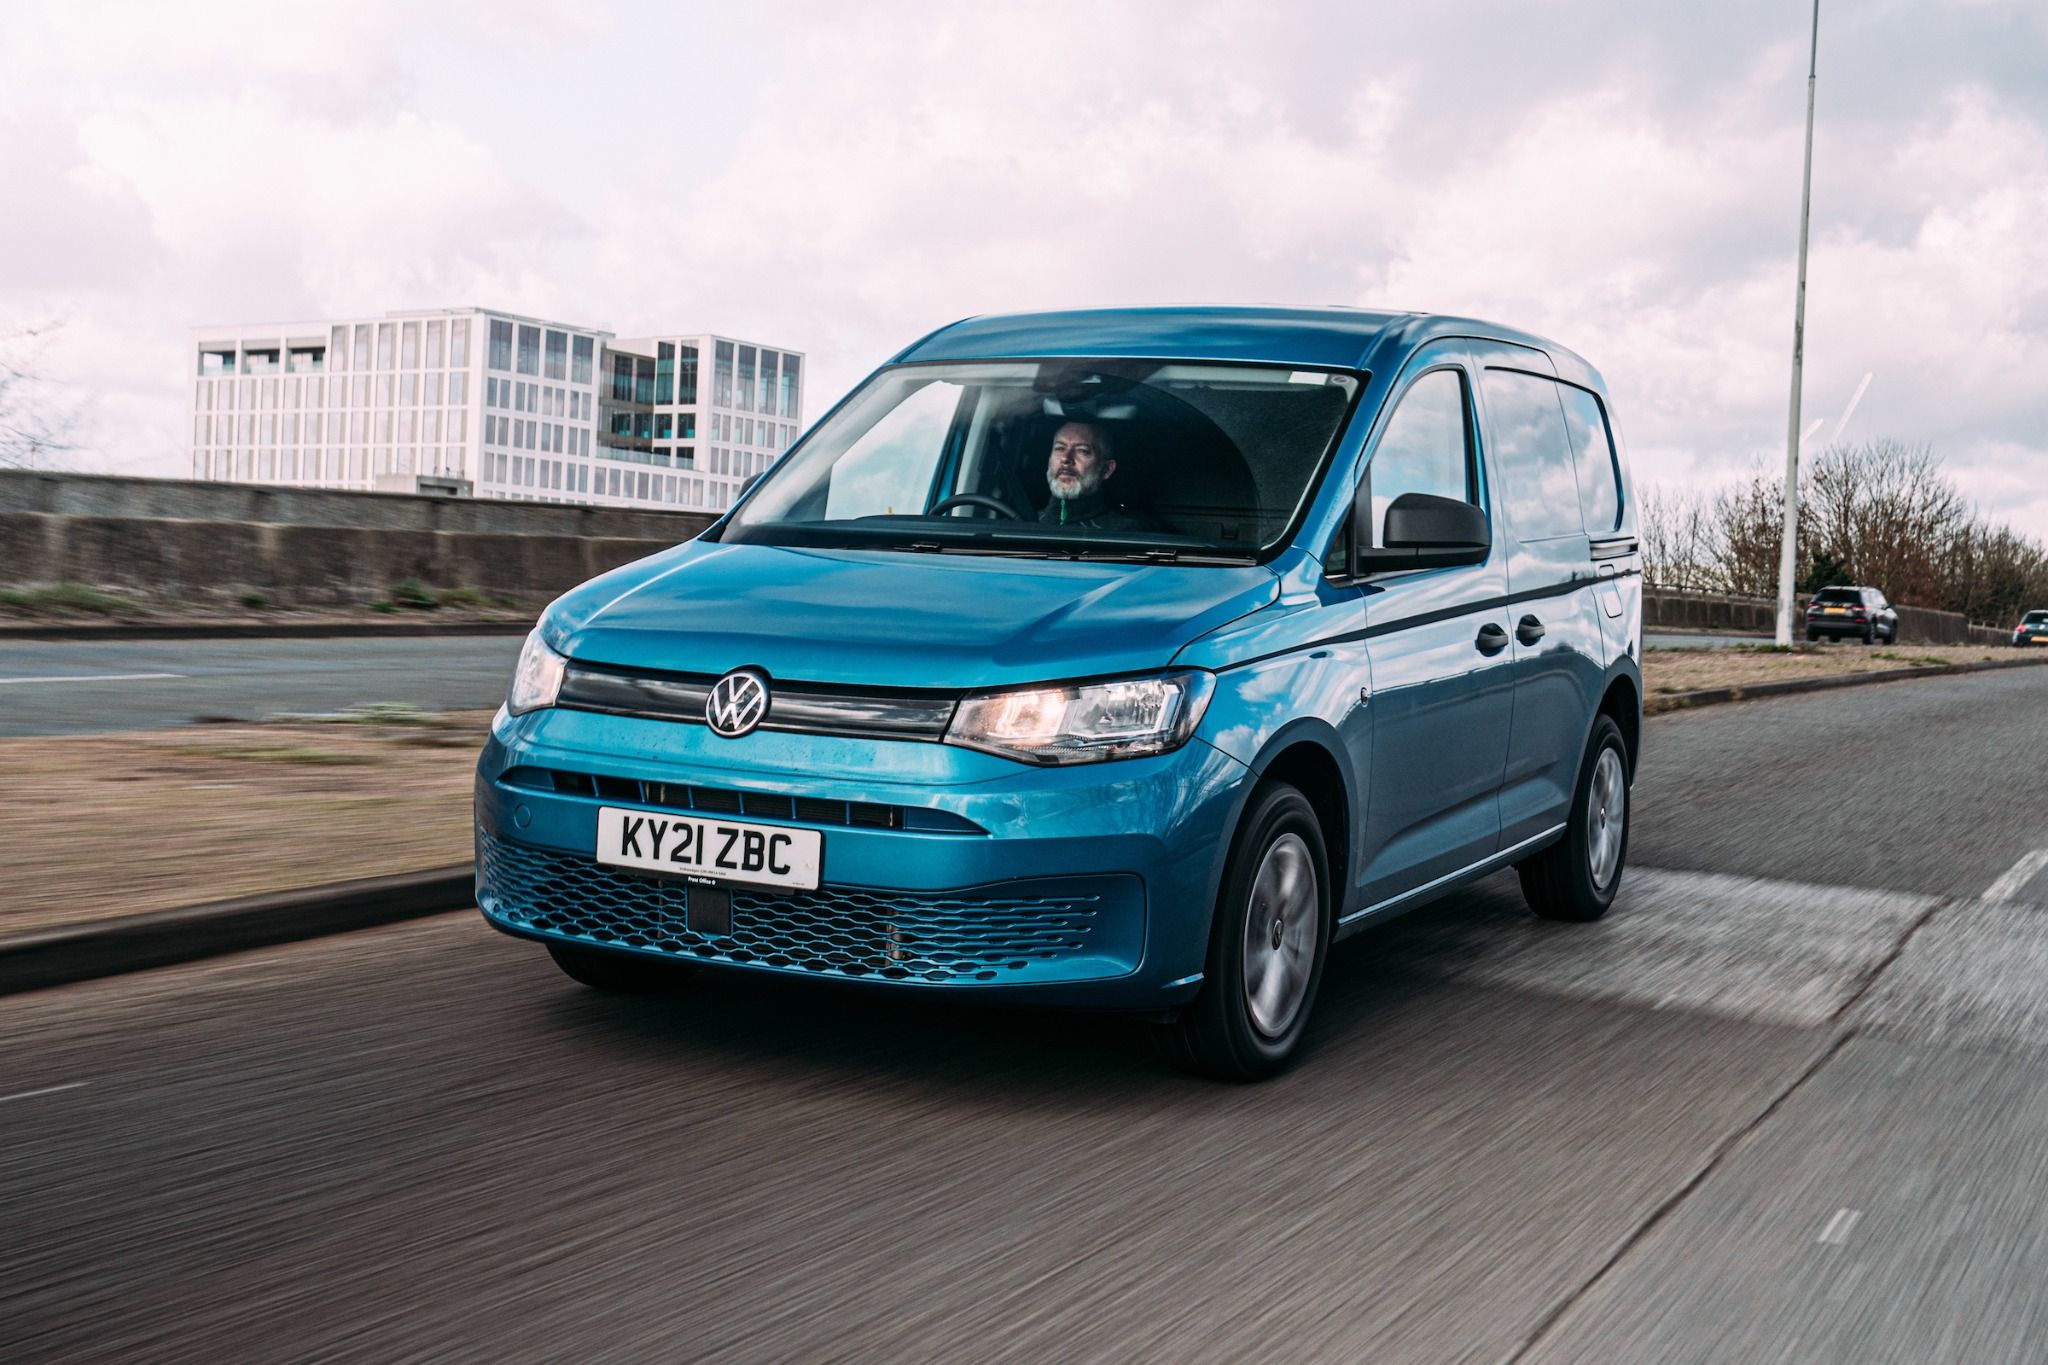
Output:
x=889 y=619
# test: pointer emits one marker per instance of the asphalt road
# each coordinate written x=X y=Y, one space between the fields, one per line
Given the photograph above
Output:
x=1783 y=1104
x=73 y=688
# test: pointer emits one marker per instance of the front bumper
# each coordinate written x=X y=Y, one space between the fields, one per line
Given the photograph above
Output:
x=1088 y=886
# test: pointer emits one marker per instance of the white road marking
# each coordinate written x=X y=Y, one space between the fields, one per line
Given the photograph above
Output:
x=2016 y=879
x=46 y=1090
x=1839 y=1227
x=91 y=678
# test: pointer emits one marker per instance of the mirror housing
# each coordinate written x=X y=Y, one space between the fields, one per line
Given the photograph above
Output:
x=1423 y=531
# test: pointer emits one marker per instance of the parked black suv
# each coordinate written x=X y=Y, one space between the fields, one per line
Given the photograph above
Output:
x=1851 y=613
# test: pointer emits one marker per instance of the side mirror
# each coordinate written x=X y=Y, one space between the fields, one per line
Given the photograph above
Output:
x=1423 y=531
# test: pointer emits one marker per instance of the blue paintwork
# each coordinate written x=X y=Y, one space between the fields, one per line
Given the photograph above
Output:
x=1445 y=758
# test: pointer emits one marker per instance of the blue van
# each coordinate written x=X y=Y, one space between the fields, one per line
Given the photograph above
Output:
x=1120 y=659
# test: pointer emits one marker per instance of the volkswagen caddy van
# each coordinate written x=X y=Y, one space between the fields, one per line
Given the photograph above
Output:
x=1121 y=659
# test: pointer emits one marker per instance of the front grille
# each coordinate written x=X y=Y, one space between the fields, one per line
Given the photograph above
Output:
x=1030 y=930
x=797 y=707
x=724 y=801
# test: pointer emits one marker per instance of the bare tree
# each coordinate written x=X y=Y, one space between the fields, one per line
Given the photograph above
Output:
x=1681 y=547
x=35 y=420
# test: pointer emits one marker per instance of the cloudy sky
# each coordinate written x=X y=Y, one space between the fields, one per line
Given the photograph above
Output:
x=842 y=178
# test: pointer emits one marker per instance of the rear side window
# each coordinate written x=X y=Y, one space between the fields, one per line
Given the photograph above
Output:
x=1426 y=448
x=1599 y=476
x=1539 y=478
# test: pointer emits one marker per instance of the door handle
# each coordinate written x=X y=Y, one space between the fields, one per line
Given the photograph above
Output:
x=1492 y=639
x=1529 y=630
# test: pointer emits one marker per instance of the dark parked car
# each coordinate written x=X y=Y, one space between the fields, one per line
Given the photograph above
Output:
x=1851 y=613
x=2032 y=629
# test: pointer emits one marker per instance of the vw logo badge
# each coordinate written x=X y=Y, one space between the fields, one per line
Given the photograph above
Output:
x=737 y=702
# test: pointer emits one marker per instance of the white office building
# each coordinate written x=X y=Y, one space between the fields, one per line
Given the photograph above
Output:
x=473 y=402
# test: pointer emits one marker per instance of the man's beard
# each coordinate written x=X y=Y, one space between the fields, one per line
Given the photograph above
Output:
x=1081 y=485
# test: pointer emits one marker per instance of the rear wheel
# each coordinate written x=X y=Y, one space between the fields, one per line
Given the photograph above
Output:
x=1812 y=636
x=620 y=973
x=1575 y=878
x=1866 y=636
x=1270 y=934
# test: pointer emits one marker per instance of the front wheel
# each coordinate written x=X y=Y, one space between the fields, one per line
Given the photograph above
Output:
x=620 y=973
x=1270 y=934
x=1575 y=878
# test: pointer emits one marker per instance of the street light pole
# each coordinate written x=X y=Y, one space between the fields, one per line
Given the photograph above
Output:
x=1788 y=548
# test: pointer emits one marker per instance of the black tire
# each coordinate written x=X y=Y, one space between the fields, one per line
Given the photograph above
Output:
x=1560 y=882
x=620 y=973
x=1864 y=639
x=1812 y=636
x=1217 y=1034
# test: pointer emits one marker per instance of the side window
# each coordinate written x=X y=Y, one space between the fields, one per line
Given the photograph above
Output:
x=1539 y=478
x=1426 y=448
x=1599 y=475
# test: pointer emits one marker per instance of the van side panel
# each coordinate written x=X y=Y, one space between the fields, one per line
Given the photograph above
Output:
x=1555 y=613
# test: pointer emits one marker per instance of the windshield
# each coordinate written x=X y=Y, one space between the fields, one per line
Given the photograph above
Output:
x=1066 y=458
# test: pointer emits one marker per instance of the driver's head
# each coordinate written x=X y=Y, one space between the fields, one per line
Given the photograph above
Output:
x=1080 y=462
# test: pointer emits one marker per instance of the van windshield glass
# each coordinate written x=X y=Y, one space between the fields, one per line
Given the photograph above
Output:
x=1104 y=459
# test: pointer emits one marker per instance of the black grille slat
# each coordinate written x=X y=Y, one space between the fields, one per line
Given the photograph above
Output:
x=720 y=801
x=815 y=812
x=833 y=931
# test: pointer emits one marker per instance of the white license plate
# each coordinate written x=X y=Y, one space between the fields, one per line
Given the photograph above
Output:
x=692 y=846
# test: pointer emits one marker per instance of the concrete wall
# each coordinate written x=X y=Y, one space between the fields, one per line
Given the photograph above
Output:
x=188 y=540
x=1709 y=611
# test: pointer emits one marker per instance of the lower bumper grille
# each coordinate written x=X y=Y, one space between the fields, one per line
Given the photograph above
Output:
x=1050 y=929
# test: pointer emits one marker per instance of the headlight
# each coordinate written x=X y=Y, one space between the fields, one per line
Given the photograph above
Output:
x=1085 y=723
x=538 y=679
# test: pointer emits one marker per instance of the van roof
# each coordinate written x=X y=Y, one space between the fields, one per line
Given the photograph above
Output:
x=1343 y=338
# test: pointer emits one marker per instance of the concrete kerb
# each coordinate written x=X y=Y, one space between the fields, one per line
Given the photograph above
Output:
x=1714 y=696
x=53 y=957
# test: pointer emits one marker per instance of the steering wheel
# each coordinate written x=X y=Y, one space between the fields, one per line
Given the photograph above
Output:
x=997 y=505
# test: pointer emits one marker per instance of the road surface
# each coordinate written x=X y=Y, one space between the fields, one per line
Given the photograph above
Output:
x=1783 y=1104
x=73 y=688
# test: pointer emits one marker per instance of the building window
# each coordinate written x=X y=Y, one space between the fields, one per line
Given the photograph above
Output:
x=790 y=366
x=501 y=344
x=743 y=391
x=558 y=355
x=582 y=349
x=306 y=359
x=721 y=374
x=363 y=330
x=458 y=344
x=337 y=347
x=408 y=390
x=768 y=379
x=409 y=346
x=458 y=389
x=435 y=331
x=385 y=337
x=529 y=349
x=686 y=375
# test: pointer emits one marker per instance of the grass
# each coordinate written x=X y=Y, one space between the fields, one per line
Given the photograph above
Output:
x=412 y=594
x=272 y=753
x=397 y=713
x=67 y=597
